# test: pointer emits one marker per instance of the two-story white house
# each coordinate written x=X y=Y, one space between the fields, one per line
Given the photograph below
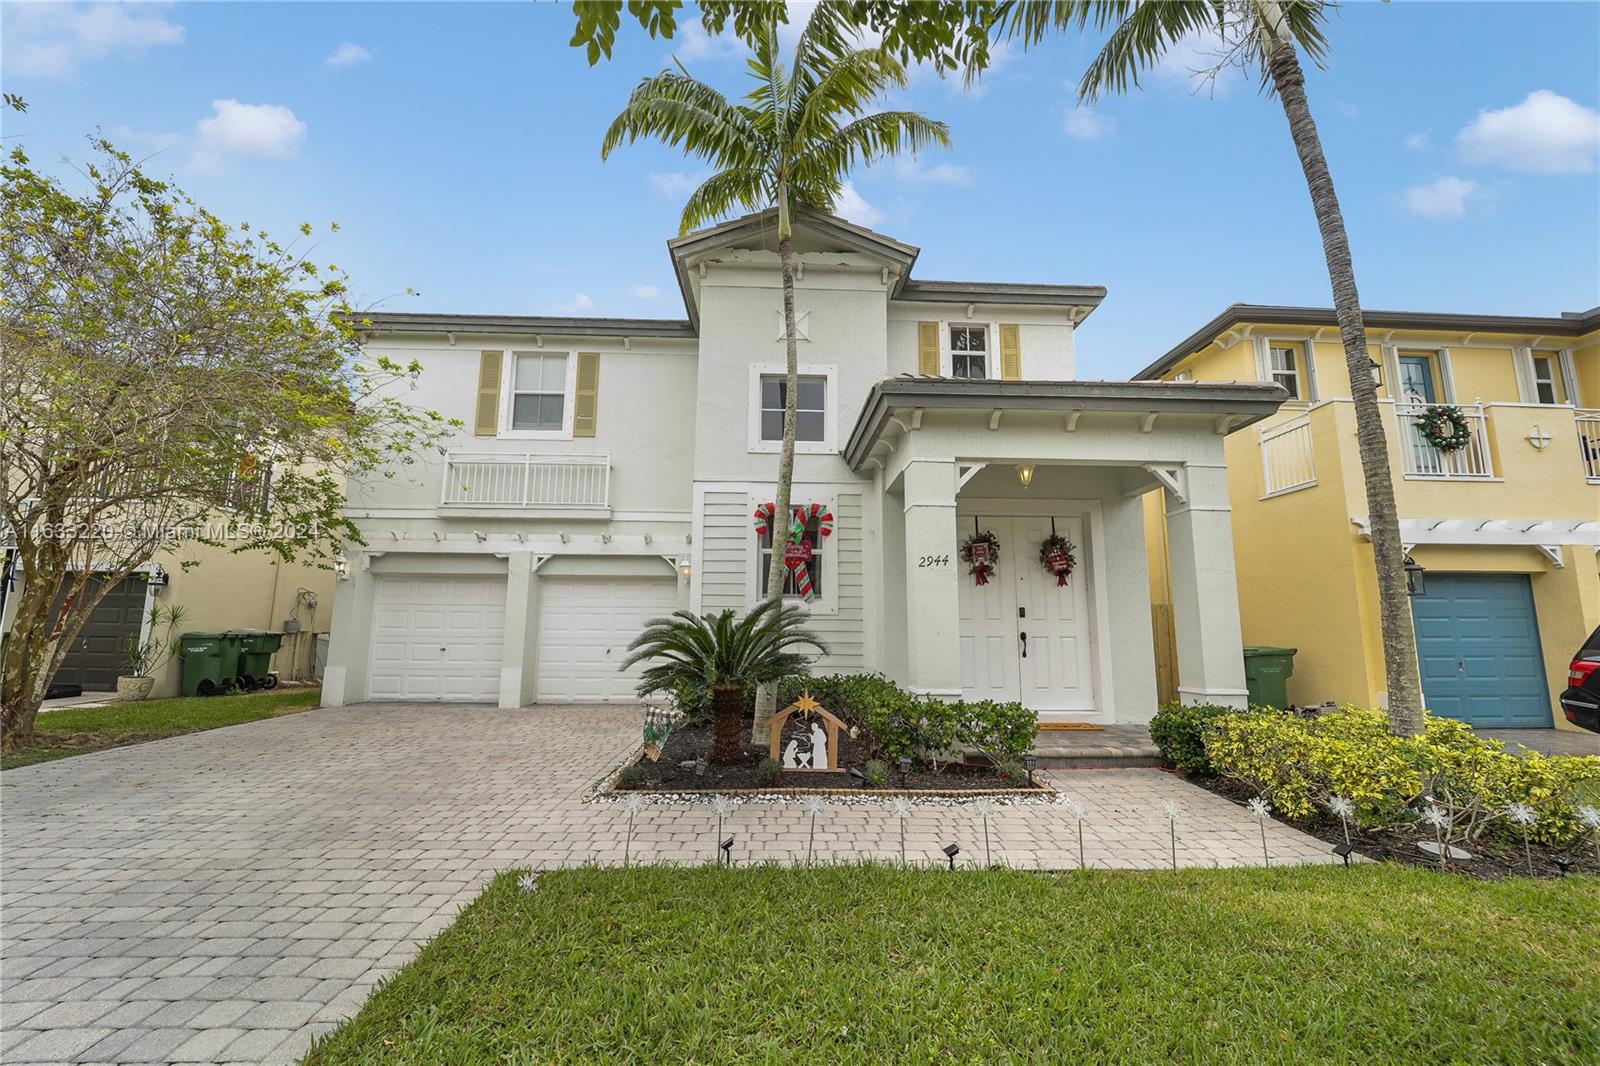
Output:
x=613 y=470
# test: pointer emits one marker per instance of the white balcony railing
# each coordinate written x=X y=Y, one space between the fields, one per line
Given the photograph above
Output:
x=1422 y=460
x=1589 y=442
x=1287 y=462
x=557 y=481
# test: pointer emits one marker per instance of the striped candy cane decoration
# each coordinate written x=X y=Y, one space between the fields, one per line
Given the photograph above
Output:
x=804 y=515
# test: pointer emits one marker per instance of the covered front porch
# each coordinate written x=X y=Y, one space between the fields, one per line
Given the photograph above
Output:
x=1020 y=463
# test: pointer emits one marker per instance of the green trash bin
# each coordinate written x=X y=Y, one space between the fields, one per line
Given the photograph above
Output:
x=256 y=647
x=210 y=661
x=1266 y=675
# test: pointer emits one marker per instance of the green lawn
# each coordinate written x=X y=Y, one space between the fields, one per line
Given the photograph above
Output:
x=77 y=730
x=870 y=964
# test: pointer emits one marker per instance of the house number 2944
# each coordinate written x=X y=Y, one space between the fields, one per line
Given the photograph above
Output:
x=934 y=560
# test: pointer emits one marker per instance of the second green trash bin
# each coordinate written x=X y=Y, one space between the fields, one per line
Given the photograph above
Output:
x=1266 y=675
x=256 y=647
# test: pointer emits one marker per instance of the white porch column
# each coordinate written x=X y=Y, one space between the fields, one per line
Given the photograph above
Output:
x=1205 y=597
x=519 y=665
x=344 y=680
x=933 y=635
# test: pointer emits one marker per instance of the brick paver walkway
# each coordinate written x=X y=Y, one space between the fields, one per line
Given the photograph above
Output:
x=225 y=896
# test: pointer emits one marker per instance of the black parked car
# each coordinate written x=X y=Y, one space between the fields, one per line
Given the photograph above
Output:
x=1581 y=701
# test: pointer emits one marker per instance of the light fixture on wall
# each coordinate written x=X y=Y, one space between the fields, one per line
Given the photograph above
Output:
x=1025 y=474
x=1377 y=372
x=685 y=568
x=341 y=567
x=1416 y=579
x=158 y=579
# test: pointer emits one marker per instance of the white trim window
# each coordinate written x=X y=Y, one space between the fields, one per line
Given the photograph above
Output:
x=968 y=350
x=819 y=569
x=1283 y=368
x=816 y=426
x=1547 y=378
x=538 y=391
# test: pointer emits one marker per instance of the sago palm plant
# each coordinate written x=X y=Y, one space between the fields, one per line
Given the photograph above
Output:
x=792 y=142
x=725 y=656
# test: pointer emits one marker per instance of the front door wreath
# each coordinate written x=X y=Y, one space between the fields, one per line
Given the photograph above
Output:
x=981 y=553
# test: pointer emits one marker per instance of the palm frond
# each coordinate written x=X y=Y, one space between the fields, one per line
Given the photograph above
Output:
x=713 y=650
x=721 y=194
x=844 y=89
x=867 y=140
x=1146 y=33
x=679 y=110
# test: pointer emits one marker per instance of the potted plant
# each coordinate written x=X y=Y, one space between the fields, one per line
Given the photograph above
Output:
x=725 y=657
x=145 y=657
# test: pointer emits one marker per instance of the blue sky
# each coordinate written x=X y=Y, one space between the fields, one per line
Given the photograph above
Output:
x=458 y=147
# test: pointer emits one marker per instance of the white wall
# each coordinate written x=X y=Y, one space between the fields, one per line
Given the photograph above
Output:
x=1046 y=336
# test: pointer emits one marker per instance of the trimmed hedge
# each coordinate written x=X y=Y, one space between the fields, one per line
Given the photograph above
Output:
x=1178 y=730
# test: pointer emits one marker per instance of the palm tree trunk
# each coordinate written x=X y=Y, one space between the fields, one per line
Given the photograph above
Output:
x=766 y=698
x=727 y=708
x=1399 y=640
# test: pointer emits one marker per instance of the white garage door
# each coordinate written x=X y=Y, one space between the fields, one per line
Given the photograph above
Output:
x=585 y=627
x=437 y=638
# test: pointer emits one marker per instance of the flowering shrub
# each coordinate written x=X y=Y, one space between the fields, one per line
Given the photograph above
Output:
x=1299 y=763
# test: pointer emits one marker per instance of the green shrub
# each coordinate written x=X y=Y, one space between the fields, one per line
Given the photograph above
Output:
x=768 y=771
x=1298 y=763
x=1178 y=729
x=877 y=772
x=1002 y=731
x=1013 y=773
x=692 y=700
x=631 y=777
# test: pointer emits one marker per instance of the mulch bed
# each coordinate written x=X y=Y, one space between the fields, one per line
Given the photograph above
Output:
x=690 y=742
x=1492 y=859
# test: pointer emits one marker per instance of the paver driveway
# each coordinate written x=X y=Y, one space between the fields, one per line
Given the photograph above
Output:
x=225 y=896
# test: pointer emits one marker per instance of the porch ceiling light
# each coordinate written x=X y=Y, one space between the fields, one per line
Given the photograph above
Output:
x=1025 y=474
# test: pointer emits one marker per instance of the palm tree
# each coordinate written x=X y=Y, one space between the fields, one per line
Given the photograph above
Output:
x=724 y=657
x=792 y=142
x=1267 y=35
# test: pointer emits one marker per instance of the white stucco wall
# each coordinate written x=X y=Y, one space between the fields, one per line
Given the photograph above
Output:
x=1046 y=336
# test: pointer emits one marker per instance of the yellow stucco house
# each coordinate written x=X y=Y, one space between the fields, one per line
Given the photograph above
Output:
x=1506 y=526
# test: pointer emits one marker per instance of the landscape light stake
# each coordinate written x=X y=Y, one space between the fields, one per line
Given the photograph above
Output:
x=985 y=807
x=634 y=804
x=814 y=805
x=724 y=807
x=1261 y=810
x=902 y=807
x=1524 y=816
x=1173 y=810
x=1079 y=812
x=950 y=852
x=1345 y=809
x=905 y=770
x=727 y=852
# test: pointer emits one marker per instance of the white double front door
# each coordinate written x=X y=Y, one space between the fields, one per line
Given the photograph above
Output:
x=1025 y=637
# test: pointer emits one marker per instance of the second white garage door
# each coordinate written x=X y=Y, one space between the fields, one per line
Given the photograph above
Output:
x=585 y=627
x=437 y=638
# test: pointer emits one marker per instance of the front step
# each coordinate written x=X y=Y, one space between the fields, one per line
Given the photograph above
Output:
x=1098 y=757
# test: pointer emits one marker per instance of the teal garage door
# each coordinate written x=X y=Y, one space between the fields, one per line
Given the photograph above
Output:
x=1478 y=642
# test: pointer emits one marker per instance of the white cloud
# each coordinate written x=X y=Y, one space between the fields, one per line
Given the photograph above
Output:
x=53 y=40
x=645 y=292
x=937 y=174
x=1420 y=142
x=695 y=44
x=347 y=55
x=675 y=184
x=1083 y=124
x=1445 y=198
x=1545 y=134
x=125 y=136
x=852 y=206
x=581 y=304
x=1189 y=62
x=233 y=128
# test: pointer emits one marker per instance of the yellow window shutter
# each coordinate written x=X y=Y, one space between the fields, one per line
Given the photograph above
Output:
x=487 y=422
x=586 y=400
x=1010 y=352
x=928 y=348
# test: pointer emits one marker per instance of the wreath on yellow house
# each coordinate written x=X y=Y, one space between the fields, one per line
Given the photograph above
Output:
x=1444 y=426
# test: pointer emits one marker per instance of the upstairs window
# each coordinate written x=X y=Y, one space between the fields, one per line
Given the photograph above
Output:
x=810 y=403
x=1546 y=379
x=969 y=351
x=1284 y=366
x=539 y=391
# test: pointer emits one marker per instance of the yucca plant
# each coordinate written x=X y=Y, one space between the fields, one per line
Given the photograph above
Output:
x=726 y=656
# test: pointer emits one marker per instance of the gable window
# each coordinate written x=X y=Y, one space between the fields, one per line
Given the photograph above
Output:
x=1284 y=366
x=1546 y=379
x=969 y=351
x=816 y=567
x=539 y=391
x=810 y=407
